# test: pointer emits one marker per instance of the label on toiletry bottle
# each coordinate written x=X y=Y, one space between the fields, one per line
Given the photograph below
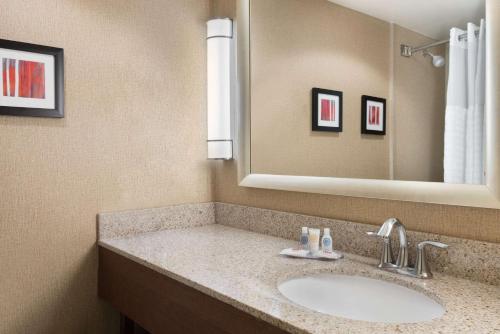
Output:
x=327 y=242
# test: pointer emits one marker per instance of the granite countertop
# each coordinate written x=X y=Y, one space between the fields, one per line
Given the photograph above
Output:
x=243 y=269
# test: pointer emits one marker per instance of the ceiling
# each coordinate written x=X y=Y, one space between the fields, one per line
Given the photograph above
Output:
x=432 y=18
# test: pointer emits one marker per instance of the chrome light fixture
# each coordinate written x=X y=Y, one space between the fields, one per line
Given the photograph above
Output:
x=220 y=88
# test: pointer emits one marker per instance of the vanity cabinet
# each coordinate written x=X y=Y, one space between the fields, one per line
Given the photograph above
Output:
x=161 y=304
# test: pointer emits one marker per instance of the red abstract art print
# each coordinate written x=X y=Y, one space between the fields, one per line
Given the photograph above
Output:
x=23 y=78
x=327 y=110
x=374 y=115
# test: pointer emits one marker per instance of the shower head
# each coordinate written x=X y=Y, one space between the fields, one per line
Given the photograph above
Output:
x=437 y=61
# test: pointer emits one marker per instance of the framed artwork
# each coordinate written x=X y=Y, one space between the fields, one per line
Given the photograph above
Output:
x=32 y=80
x=326 y=110
x=373 y=115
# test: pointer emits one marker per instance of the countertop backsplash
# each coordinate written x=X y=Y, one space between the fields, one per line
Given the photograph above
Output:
x=475 y=260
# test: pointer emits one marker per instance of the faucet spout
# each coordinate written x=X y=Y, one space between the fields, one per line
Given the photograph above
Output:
x=386 y=229
x=385 y=232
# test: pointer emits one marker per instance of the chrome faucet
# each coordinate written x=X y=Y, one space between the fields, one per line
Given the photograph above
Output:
x=384 y=233
x=421 y=269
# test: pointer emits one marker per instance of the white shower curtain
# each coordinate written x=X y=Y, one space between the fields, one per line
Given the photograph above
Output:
x=464 y=120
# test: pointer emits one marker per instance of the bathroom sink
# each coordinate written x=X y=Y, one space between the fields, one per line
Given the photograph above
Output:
x=361 y=298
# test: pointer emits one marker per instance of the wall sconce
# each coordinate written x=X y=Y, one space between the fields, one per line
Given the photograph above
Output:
x=220 y=88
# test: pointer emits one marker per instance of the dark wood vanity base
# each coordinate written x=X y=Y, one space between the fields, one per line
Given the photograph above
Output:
x=161 y=304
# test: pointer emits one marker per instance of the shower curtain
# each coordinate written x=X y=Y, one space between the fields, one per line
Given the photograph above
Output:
x=464 y=135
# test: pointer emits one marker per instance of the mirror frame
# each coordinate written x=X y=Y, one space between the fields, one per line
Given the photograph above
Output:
x=485 y=196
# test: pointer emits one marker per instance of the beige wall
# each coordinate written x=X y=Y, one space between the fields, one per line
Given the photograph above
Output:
x=472 y=223
x=222 y=8
x=419 y=101
x=315 y=44
x=133 y=137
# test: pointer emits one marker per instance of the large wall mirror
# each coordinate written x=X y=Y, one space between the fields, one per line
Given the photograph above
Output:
x=383 y=99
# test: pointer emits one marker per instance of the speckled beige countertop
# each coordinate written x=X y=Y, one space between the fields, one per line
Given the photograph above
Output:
x=243 y=269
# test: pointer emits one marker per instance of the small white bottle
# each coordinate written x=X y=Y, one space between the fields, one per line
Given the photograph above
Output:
x=314 y=240
x=304 y=239
x=326 y=241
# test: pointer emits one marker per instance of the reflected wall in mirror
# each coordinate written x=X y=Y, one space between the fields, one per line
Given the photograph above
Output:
x=435 y=94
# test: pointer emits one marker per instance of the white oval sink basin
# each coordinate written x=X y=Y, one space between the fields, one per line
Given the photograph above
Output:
x=361 y=298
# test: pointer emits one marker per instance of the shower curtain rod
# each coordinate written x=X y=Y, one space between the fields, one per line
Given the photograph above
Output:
x=408 y=51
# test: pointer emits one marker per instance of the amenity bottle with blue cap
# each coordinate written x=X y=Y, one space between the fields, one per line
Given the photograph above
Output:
x=304 y=239
x=326 y=241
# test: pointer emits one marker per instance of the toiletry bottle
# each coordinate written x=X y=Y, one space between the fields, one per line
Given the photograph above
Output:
x=304 y=239
x=326 y=241
x=314 y=240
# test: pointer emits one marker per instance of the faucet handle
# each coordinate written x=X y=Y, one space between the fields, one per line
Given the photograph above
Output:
x=422 y=270
x=438 y=244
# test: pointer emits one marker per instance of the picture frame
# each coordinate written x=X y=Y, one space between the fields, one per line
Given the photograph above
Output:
x=31 y=80
x=326 y=110
x=373 y=115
